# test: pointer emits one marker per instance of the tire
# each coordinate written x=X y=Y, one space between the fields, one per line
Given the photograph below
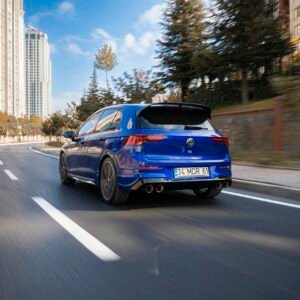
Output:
x=207 y=193
x=63 y=171
x=109 y=188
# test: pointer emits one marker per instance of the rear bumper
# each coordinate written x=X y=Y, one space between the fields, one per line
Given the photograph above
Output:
x=181 y=184
x=135 y=178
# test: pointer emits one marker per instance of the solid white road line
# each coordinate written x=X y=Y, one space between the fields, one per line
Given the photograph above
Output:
x=267 y=184
x=86 y=239
x=42 y=153
x=1 y=163
x=262 y=199
x=11 y=175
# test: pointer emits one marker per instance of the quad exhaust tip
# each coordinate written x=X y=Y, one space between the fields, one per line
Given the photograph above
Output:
x=159 y=188
x=219 y=185
x=149 y=189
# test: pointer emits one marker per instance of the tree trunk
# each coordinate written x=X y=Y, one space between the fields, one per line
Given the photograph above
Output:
x=203 y=84
x=221 y=79
x=281 y=66
x=184 y=90
x=245 y=90
x=107 y=84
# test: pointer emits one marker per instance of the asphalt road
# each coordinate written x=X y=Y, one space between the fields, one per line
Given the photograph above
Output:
x=169 y=246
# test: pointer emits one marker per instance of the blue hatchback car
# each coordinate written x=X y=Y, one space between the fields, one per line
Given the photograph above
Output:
x=153 y=148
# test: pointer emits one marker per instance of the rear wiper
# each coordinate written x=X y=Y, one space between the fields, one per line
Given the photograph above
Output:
x=191 y=127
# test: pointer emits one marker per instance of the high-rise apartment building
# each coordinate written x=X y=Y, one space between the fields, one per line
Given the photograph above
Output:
x=12 y=97
x=37 y=73
x=295 y=22
x=284 y=6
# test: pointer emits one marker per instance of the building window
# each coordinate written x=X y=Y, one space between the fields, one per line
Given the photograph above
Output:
x=297 y=31
x=297 y=12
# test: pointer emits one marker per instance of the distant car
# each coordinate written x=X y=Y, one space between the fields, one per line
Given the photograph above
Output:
x=153 y=148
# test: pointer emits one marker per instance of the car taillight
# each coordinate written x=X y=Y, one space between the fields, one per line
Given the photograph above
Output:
x=221 y=140
x=140 y=139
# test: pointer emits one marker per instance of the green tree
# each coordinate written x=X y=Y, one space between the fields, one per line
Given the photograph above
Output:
x=35 y=121
x=90 y=101
x=71 y=116
x=106 y=60
x=249 y=35
x=138 y=86
x=108 y=98
x=3 y=117
x=184 y=31
x=54 y=125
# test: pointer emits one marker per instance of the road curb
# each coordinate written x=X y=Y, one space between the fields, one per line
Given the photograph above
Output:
x=242 y=164
x=41 y=152
x=268 y=188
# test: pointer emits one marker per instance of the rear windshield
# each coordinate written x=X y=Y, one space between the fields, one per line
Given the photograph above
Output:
x=172 y=118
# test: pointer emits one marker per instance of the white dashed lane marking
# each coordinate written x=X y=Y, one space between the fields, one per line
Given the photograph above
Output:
x=81 y=235
x=11 y=175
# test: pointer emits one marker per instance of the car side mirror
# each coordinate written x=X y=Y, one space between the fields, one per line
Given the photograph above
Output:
x=69 y=135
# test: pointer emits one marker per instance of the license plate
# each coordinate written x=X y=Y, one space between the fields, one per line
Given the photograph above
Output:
x=191 y=172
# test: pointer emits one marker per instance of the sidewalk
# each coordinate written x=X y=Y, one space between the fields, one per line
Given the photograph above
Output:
x=288 y=178
x=276 y=182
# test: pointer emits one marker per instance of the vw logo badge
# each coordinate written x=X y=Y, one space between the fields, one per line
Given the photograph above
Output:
x=190 y=142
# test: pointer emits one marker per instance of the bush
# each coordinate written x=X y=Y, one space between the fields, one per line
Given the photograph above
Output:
x=229 y=92
x=55 y=144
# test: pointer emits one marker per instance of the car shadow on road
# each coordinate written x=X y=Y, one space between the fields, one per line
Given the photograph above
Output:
x=86 y=197
x=142 y=200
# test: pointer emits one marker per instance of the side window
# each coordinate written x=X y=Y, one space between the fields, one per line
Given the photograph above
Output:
x=89 y=125
x=116 y=124
x=106 y=120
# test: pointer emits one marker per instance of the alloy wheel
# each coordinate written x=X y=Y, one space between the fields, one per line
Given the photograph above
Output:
x=108 y=180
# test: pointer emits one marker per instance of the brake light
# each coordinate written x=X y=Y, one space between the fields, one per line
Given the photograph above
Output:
x=140 y=139
x=221 y=140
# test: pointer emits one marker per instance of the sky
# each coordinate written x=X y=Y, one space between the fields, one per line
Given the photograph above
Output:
x=76 y=29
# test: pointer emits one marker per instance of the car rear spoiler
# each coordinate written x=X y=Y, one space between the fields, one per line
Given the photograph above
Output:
x=204 y=108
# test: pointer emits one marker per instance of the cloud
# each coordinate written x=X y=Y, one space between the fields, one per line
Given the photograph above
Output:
x=66 y=7
x=99 y=33
x=76 y=49
x=113 y=44
x=60 y=101
x=52 y=48
x=152 y=16
x=72 y=39
x=130 y=42
x=149 y=20
x=33 y=20
x=139 y=45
